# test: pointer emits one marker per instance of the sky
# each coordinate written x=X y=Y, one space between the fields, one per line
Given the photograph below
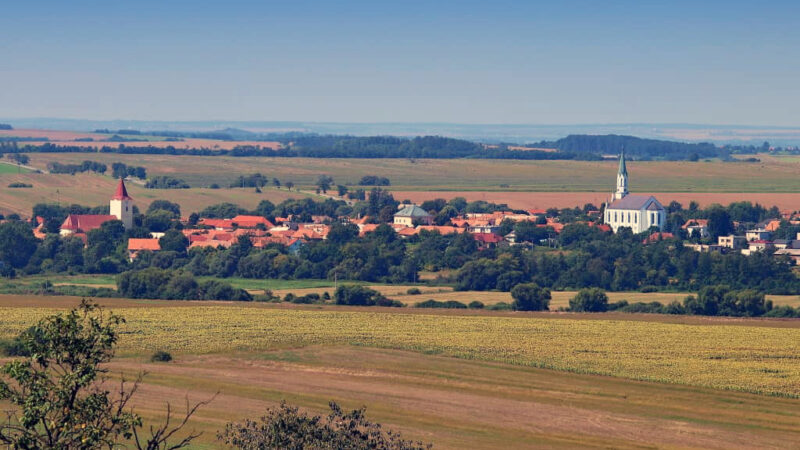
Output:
x=483 y=62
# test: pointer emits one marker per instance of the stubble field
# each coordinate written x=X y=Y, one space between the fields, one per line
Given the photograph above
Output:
x=520 y=184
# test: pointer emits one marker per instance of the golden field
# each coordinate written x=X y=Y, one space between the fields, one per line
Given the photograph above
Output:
x=758 y=359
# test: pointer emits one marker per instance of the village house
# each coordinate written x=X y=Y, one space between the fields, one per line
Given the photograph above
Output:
x=637 y=212
x=758 y=234
x=412 y=215
x=136 y=246
x=732 y=242
x=696 y=228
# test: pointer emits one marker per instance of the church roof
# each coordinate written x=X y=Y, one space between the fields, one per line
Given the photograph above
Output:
x=623 y=170
x=122 y=192
x=85 y=222
x=636 y=202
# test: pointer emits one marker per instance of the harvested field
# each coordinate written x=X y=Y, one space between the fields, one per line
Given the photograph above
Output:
x=544 y=200
x=91 y=190
x=450 y=403
x=775 y=174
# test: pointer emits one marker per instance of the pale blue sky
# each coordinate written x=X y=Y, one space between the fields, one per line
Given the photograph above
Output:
x=556 y=62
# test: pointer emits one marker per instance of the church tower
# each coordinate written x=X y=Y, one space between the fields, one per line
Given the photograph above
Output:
x=121 y=205
x=622 y=178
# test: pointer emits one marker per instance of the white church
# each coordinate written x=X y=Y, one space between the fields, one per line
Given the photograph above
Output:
x=637 y=212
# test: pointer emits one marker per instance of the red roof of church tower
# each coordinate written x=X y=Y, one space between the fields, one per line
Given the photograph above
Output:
x=122 y=193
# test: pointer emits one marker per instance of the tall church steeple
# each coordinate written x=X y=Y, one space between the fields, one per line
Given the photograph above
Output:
x=121 y=205
x=622 y=178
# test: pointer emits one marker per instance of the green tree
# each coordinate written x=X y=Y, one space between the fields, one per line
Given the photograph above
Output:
x=17 y=243
x=324 y=183
x=174 y=241
x=530 y=297
x=589 y=300
x=719 y=223
x=58 y=390
x=165 y=205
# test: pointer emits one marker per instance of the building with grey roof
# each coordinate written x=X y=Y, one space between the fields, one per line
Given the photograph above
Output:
x=637 y=212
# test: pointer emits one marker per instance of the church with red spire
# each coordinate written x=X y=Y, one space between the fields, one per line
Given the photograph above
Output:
x=120 y=207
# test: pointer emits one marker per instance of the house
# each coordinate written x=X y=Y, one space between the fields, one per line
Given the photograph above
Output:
x=637 y=212
x=696 y=227
x=244 y=221
x=136 y=246
x=792 y=253
x=732 y=242
x=487 y=240
x=759 y=234
x=412 y=215
x=758 y=246
x=120 y=206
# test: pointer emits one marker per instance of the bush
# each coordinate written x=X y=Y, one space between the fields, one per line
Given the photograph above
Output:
x=287 y=427
x=530 y=297
x=500 y=306
x=161 y=356
x=13 y=347
x=476 y=305
x=20 y=185
x=306 y=299
x=589 y=300
x=355 y=295
x=413 y=291
x=449 y=304
x=783 y=311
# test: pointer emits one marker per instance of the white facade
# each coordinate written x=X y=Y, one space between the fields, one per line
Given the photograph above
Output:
x=637 y=212
x=639 y=216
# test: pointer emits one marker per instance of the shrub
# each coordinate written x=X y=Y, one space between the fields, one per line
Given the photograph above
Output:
x=500 y=306
x=20 y=185
x=648 y=289
x=530 y=297
x=161 y=356
x=306 y=299
x=476 y=305
x=783 y=311
x=413 y=291
x=287 y=427
x=356 y=295
x=450 y=304
x=589 y=300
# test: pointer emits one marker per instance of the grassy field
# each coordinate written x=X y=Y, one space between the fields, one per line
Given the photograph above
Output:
x=466 y=380
x=10 y=168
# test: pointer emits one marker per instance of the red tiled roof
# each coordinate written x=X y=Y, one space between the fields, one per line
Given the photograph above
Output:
x=251 y=221
x=657 y=236
x=143 y=244
x=85 y=222
x=122 y=192
x=488 y=238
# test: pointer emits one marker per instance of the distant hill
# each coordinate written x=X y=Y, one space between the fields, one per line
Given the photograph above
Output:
x=612 y=144
x=5 y=126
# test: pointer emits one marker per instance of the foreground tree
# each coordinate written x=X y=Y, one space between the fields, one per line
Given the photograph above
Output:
x=286 y=427
x=58 y=389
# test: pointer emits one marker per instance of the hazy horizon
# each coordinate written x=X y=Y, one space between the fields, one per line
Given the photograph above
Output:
x=512 y=62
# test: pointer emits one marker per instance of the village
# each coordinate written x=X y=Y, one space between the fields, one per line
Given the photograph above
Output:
x=640 y=213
